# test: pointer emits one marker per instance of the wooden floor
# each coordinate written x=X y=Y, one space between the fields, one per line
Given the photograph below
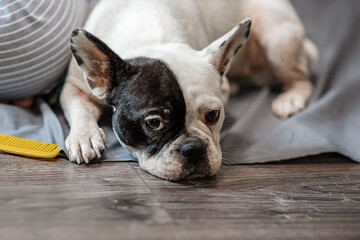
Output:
x=313 y=198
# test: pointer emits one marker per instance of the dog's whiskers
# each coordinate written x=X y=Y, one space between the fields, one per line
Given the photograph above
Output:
x=228 y=146
x=226 y=161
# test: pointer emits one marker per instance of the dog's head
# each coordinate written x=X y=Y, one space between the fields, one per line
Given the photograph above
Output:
x=168 y=108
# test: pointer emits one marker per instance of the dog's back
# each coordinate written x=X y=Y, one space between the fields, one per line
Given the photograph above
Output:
x=126 y=25
x=200 y=21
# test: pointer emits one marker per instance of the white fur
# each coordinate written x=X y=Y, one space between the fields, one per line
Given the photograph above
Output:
x=133 y=28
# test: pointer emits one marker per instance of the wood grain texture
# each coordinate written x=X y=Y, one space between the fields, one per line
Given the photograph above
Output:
x=312 y=198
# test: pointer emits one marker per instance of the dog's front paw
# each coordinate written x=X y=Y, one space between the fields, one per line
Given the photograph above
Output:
x=288 y=103
x=84 y=144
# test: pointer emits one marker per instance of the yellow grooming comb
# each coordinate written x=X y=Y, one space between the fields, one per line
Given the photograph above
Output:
x=26 y=147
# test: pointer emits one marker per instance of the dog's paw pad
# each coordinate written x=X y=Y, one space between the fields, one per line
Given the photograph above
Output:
x=288 y=103
x=83 y=145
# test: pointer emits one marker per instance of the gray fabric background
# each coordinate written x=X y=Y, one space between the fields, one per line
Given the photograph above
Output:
x=332 y=120
x=251 y=133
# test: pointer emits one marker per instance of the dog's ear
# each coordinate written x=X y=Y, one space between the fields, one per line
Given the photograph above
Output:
x=225 y=48
x=97 y=61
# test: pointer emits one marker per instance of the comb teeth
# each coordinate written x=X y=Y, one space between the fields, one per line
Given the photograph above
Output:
x=26 y=147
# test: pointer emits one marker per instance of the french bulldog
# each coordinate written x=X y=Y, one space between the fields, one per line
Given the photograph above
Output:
x=164 y=65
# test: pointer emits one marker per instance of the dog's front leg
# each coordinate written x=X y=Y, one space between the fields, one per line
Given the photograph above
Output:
x=86 y=90
x=86 y=138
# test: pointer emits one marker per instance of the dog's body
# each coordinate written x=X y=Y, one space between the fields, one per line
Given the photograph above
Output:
x=162 y=69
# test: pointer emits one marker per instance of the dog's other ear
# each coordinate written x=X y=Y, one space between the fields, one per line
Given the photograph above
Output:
x=225 y=48
x=97 y=61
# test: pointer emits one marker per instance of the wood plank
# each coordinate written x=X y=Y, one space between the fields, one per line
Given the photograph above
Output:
x=302 y=199
x=58 y=192
x=313 y=198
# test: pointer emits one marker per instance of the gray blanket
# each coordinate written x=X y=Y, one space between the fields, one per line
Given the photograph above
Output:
x=251 y=133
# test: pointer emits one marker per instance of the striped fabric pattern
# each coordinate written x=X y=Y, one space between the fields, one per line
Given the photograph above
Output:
x=34 y=44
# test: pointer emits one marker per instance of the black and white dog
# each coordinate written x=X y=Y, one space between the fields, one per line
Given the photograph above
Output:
x=159 y=65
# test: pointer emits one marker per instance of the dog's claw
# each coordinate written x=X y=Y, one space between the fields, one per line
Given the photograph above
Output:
x=86 y=159
x=78 y=159
x=98 y=154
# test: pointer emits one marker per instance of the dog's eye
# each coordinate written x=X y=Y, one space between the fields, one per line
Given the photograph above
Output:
x=212 y=117
x=154 y=123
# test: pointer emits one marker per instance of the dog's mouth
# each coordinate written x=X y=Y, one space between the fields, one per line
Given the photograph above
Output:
x=194 y=171
x=195 y=175
x=187 y=175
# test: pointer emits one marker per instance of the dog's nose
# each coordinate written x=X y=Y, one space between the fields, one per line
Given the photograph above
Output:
x=193 y=148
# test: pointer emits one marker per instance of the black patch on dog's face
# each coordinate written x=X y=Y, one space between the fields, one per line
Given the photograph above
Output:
x=149 y=88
